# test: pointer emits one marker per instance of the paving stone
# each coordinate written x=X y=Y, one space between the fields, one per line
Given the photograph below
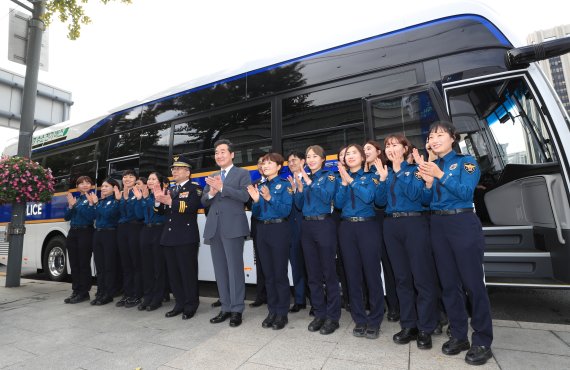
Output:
x=529 y=340
x=516 y=360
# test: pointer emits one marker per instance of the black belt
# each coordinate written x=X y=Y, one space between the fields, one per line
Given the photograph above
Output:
x=273 y=221
x=403 y=214
x=446 y=212
x=358 y=219
x=317 y=218
x=105 y=228
x=81 y=227
x=135 y=222
x=154 y=225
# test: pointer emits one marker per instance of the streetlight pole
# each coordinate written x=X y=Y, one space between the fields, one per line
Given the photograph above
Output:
x=16 y=228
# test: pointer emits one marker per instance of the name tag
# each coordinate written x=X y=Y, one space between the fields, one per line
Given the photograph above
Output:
x=183 y=195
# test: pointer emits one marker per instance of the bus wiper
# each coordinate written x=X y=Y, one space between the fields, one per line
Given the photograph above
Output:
x=523 y=56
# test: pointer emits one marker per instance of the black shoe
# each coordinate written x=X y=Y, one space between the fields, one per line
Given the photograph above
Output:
x=217 y=303
x=142 y=306
x=187 y=315
x=235 y=319
x=478 y=355
x=79 y=298
x=257 y=303
x=448 y=331
x=454 y=346
x=372 y=333
x=166 y=298
x=132 y=302
x=316 y=324
x=297 y=307
x=68 y=299
x=438 y=329
x=424 y=340
x=268 y=322
x=280 y=322
x=222 y=316
x=122 y=301
x=359 y=330
x=311 y=312
x=172 y=313
x=393 y=316
x=405 y=336
x=103 y=300
x=329 y=327
x=94 y=302
x=152 y=307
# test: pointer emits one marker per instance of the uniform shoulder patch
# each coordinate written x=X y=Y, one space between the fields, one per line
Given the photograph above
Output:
x=469 y=167
x=278 y=186
x=453 y=166
x=331 y=178
x=195 y=183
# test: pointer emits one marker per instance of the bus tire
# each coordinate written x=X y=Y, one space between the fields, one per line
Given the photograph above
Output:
x=55 y=259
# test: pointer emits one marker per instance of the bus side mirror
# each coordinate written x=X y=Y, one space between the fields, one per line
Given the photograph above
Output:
x=523 y=56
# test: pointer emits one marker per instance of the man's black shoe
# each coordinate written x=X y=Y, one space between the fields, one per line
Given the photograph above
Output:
x=104 y=300
x=217 y=303
x=424 y=340
x=316 y=324
x=121 y=301
x=79 y=298
x=222 y=316
x=478 y=355
x=438 y=329
x=405 y=336
x=372 y=333
x=142 y=306
x=297 y=307
x=187 y=315
x=172 y=313
x=311 y=312
x=166 y=298
x=73 y=295
x=257 y=303
x=268 y=322
x=329 y=327
x=152 y=307
x=359 y=330
x=393 y=316
x=454 y=346
x=235 y=319
x=280 y=322
x=132 y=302
x=94 y=302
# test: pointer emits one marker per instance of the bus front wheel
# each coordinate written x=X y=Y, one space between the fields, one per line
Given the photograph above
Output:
x=55 y=259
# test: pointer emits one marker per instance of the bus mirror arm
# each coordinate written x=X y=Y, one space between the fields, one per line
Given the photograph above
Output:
x=523 y=56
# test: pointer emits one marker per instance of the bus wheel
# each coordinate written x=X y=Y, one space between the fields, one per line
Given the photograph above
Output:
x=55 y=259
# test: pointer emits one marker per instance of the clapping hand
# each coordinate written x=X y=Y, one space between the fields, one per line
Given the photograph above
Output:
x=265 y=193
x=215 y=183
x=117 y=192
x=92 y=198
x=293 y=182
x=137 y=192
x=381 y=169
x=253 y=192
x=71 y=201
x=346 y=179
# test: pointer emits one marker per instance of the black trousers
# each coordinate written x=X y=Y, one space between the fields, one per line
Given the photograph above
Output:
x=105 y=253
x=389 y=278
x=79 y=248
x=153 y=265
x=260 y=290
x=128 y=236
x=182 y=267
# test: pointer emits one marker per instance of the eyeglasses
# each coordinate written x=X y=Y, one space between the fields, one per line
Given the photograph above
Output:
x=173 y=169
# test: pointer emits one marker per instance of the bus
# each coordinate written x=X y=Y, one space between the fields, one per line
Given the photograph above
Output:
x=457 y=63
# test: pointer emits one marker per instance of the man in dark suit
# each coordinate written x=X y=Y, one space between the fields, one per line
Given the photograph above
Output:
x=180 y=237
x=225 y=230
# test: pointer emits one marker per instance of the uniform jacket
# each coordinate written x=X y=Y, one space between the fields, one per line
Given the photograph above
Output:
x=401 y=191
x=180 y=222
x=107 y=212
x=279 y=206
x=227 y=208
x=81 y=214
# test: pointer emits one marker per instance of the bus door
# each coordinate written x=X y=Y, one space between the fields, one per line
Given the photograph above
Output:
x=116 y=166
x=522 y=197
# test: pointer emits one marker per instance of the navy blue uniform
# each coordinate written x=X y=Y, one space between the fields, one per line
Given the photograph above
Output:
x=358 y=236
x=152 y=257
x=105 y=245
x=79 y=243
x=319 y=241
x=128 y=240
x=458 y=245
x=407 y=240
x=180 y=240
x=273 y=237
x=260 y=289
x=296 y=255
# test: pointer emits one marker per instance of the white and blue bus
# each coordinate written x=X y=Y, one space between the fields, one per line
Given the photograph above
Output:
x=457 y=63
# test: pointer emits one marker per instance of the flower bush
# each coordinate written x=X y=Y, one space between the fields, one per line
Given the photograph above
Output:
x=23 y=180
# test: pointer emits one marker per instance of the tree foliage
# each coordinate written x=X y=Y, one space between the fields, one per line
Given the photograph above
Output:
x=72 y=13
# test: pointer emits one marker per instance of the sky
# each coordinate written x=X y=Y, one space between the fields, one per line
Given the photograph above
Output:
x=130 y=52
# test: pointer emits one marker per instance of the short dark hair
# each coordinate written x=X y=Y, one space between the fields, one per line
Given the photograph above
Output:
x=445 y=126
x=143 y=179
x=274 y=157
x=401 y=139
x=222 y=142
x=359 y=149
x=111 y=181
x=81 y=179
x=159 y=177
x=296 y=153
x=130 y=172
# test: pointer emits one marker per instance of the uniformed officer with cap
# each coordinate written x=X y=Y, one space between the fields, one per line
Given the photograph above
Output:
x=180 y=237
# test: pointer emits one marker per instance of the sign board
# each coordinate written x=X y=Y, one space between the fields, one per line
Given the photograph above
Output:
x=18 y=40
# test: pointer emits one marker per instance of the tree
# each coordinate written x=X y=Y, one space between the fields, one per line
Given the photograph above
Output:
x=71 y=12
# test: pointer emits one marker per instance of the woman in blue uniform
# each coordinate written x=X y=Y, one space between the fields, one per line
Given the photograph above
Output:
x=406 y=234
x=152 y=257
x=373 y=152
x=272 y=203
x=314 y=196
x=358 y=236
x=105 y=241
x=79 y=240
x=458 y=242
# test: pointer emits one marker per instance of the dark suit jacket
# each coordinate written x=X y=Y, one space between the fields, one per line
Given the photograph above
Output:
x=181 y=225
x=227 y=208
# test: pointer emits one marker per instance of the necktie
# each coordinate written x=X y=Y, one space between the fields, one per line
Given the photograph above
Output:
x=392 y=193
x=438 y=185
x=352 y=198
x=176 y=191
x=223 y=175
x=309 y=190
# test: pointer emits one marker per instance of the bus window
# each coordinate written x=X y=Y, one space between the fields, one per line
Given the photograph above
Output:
x=330 y=140
x=61 y=163
x=155 y=146
x=124 y=144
